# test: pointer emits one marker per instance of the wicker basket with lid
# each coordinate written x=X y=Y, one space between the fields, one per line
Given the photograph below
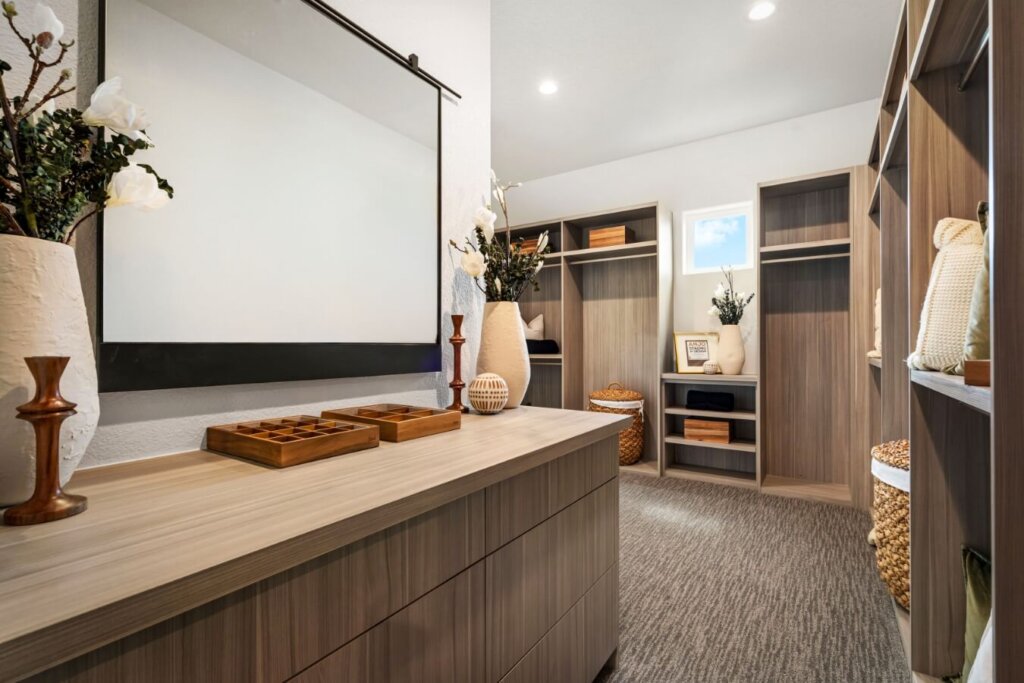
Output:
x=621 y=401
x=890 y=466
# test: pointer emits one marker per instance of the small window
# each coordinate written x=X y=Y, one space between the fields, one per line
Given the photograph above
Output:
x=716 y=238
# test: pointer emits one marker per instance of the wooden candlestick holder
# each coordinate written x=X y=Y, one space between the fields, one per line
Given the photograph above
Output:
x=457 y=385
x=46 y=412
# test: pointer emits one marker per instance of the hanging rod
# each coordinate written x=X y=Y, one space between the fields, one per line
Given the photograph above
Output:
x=973 y=66
x=412 y=62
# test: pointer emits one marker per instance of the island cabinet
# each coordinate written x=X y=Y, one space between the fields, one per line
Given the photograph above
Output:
x=487 y=554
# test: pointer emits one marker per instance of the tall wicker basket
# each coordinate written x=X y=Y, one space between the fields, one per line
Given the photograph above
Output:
x=615 y=399
x=890 y=465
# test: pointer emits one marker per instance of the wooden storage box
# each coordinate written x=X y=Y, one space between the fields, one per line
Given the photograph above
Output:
x=699 y=429
x=400 y=422
x=529 y=246
x=609 y=237
x=286 y=441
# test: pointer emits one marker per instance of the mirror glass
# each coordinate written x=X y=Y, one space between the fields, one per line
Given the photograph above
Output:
x=305 y=169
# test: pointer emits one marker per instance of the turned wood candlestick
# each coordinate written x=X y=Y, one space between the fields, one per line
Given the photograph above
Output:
x=457 y=385
x=46 y=412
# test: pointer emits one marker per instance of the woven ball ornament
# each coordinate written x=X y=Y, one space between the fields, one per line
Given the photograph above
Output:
x=488 y=393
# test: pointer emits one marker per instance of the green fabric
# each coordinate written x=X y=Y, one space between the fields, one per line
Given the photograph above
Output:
x=976 y=341
x=978 y=580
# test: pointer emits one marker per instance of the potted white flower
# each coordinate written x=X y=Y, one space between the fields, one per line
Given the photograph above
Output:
x=502 y=271
x=58 y=169
x=728 y=306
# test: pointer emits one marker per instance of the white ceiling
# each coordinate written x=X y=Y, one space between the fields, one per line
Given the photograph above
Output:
x=641 y=75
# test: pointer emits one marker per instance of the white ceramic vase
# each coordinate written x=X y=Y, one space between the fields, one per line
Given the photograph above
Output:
x=503 y=348
x=731 y=355
x=42 y=313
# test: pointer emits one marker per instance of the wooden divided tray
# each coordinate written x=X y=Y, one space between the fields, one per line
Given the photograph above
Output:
x=400 y=422
x=286 y=441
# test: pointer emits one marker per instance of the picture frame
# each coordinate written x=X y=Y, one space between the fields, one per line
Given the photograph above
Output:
x=693 y=349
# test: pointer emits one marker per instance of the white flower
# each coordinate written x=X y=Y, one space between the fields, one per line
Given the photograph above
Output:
x=741 y=296
x=473 y=264
x=540 y=264
x=713 y=311
x=37 y=116
x=135 y=186
x=46 y=27
x=110 y=109
x=542 y=242
x=484 y=219
x=497 y=285
x=719 y=291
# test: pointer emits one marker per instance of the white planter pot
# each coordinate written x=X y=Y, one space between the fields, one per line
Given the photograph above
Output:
x=731 y=354
x=42 y=313
x=503 y=348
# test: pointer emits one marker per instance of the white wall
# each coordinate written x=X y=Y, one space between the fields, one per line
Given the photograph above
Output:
x=452 y=39
x=707 y=173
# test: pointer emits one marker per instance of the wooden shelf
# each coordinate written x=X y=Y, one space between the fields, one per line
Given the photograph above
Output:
x=700 y=378
x=895 y=154
x=806 y=489
x=730 y=415
x=743 y=446
x=949 y=35
x=712 y=475
x=796 y=259
x=806 y=247
x=875 y=206
x=545 y=358
x=875 y=362
x=952 y=386
x=648 y=468
x=633 y=250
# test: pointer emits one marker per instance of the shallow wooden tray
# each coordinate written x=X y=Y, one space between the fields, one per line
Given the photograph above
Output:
x=287 y=441
x=399 y=422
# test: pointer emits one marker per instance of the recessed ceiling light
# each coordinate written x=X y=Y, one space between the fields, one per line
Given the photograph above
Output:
x=761 y=10
x=548 y=87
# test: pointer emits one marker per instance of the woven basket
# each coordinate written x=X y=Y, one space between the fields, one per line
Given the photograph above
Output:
x=892 y=519
x=631 y=439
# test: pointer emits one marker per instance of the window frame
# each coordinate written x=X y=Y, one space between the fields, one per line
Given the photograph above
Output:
x=689 y=220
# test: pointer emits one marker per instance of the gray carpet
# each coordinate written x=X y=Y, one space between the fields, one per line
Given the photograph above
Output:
x=724 y=584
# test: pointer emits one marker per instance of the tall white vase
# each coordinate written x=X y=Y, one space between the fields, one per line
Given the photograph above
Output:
x=731 y=354
x=503 y=348
x=42 y=313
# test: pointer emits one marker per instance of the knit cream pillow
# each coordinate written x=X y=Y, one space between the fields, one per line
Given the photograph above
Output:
x=947 y=305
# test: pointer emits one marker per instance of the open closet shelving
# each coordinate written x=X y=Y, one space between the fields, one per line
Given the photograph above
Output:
x=608 y=309
x=953 y=136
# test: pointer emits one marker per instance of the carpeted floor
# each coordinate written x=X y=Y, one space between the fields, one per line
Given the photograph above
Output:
x=724 y=584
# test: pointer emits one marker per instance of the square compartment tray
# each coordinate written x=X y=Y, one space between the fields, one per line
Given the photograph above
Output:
x=400 y=422
x=287 y=441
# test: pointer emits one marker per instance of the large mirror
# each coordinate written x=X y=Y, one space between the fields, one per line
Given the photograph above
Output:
x=303 y=238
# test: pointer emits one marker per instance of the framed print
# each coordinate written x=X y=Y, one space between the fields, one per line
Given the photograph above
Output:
x=693 y=349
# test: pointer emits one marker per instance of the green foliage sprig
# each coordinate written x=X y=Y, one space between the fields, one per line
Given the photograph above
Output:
x=727 y=304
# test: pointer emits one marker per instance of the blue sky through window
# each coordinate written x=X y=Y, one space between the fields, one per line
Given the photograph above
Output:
x=719 y=242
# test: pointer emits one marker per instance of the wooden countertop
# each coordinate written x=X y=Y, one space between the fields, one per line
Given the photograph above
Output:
x=168 y=534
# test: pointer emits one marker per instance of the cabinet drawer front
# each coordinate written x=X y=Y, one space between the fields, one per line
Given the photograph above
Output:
x=537 y=578
x=310 y=611
x=580 y=644
x=437 y=639
x=524 y=501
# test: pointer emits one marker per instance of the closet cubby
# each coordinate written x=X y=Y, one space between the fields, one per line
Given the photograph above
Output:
x=933 y=162
x=608 y=309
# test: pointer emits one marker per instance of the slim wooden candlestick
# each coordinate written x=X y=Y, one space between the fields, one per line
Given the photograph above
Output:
x=457 y=385
x=46 y=412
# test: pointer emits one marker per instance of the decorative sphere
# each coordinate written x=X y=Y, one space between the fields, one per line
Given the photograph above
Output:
x=488 y=393
x=710 y=367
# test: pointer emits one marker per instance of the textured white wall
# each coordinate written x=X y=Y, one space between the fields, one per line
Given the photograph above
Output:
x=452 y=39
x=707 y=173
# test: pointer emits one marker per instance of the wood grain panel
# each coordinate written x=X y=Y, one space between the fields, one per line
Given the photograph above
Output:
x=1007 y=220
x=950 y=500
x=896 y=340
x=309 y=611
x=805 y=356
x=573 y=395
x=72 y=587
x=437 y=639
x=864 y=277
x=806 y=217
x=948 y=167
x=545 y=388
x=216 y=642
x=620 y=320
x=546 y=302
x=535 y=579
x=578 y=646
